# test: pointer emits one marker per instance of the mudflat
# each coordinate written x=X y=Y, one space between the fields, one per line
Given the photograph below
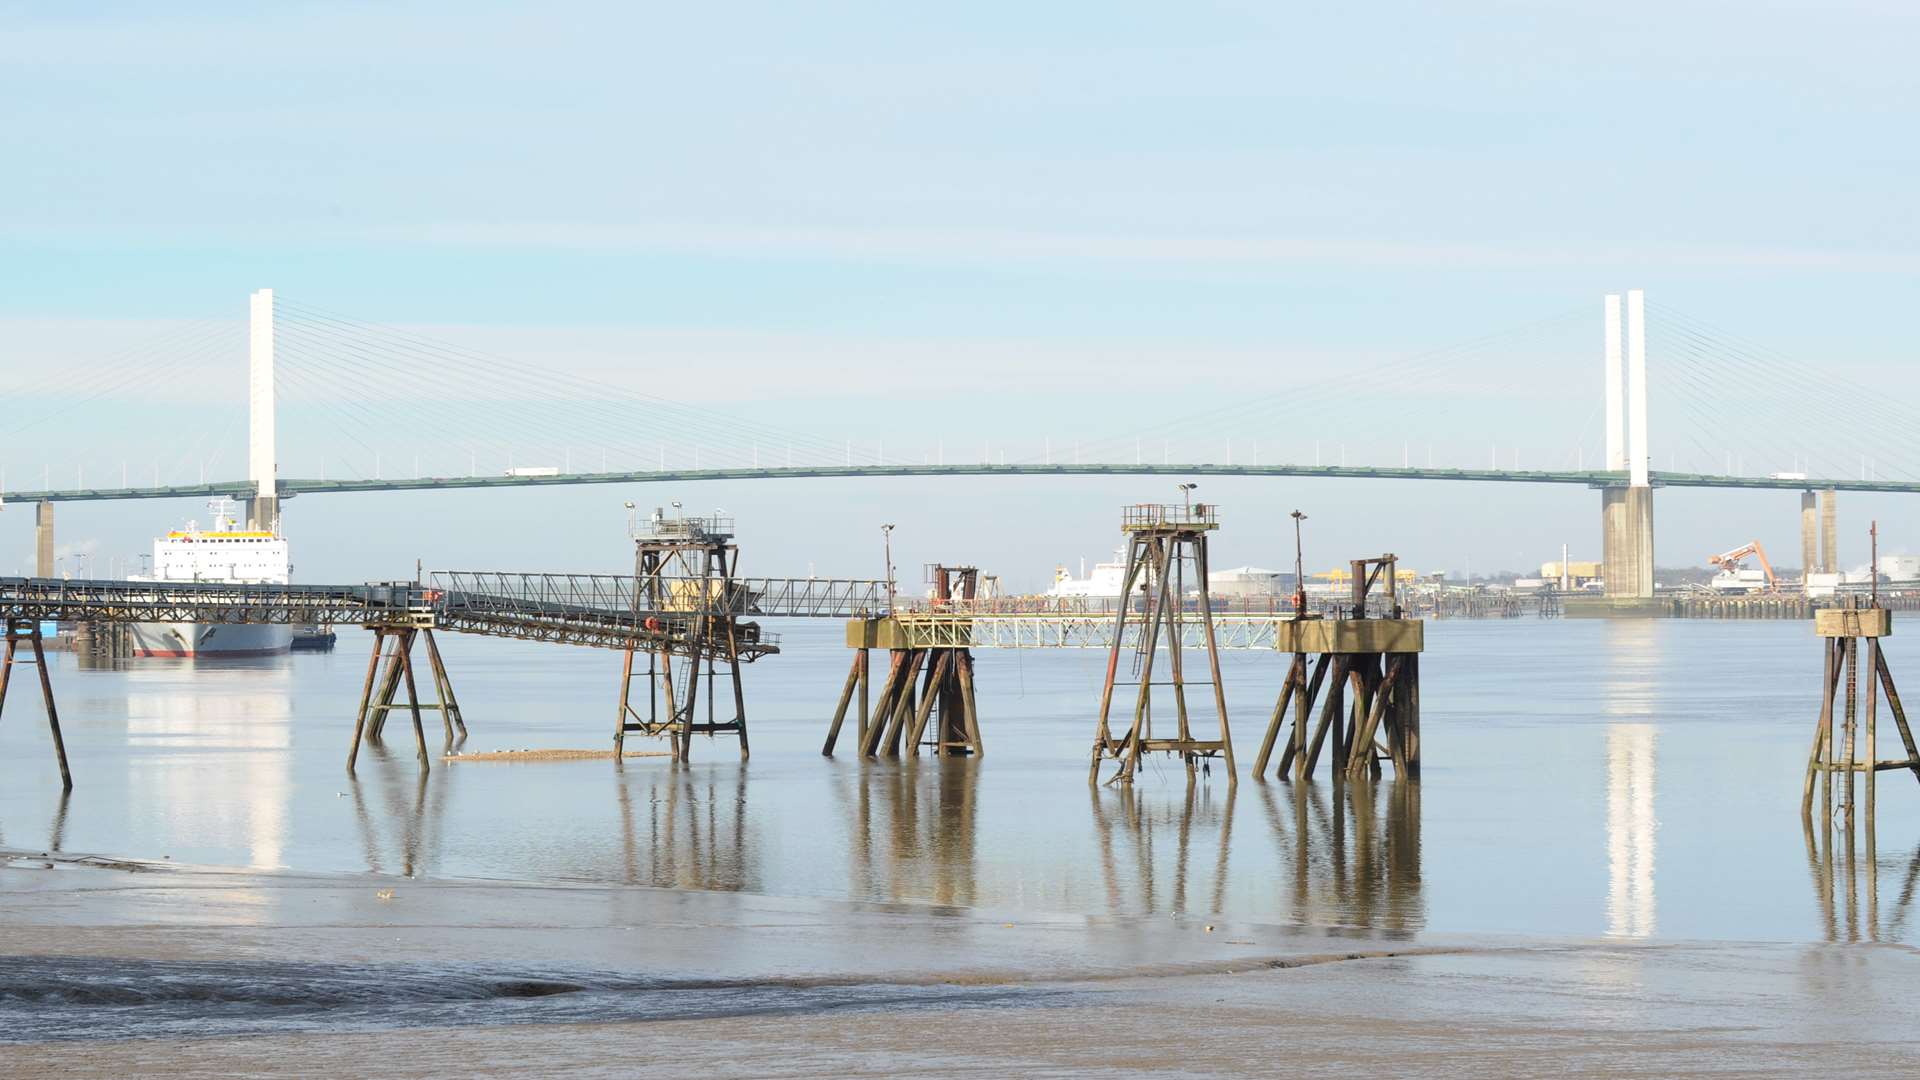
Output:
x=132 y=967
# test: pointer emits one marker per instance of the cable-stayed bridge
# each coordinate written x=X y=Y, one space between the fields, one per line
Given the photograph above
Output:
x=241 y=489
x=361 y=385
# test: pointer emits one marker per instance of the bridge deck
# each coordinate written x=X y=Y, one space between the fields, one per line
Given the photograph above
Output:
x=240 y=489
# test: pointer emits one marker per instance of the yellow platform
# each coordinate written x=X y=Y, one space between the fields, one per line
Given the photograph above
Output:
x=1351 y=636
x=1860 y=622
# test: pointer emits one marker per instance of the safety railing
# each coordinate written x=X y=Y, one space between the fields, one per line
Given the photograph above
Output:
x=1169 y=516
x=608 y=594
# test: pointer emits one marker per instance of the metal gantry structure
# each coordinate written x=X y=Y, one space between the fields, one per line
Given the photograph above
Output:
x=683 y=571
x=1165 y=544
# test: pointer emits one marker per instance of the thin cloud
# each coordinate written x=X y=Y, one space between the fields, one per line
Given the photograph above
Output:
x=1040 y=246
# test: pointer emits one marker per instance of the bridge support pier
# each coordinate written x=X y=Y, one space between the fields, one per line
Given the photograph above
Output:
x=1809 y=544
x=28 y=630
x=1830 y=534
x=262 y=512
x=43 y=539
x=1626 y=542
x=377 y=701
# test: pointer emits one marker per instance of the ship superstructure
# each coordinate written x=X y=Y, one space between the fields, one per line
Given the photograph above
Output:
x=1103 y=583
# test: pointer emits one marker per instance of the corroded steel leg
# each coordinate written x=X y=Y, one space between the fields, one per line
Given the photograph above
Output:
x=620 y=718
x=449 y=705
x=846 y=698
x=413 y=697
x=366 y=697
x=53 y=714
x=1295 y=672
x=971 y=712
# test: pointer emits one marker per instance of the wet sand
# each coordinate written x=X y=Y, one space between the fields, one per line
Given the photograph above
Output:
x=118 y=967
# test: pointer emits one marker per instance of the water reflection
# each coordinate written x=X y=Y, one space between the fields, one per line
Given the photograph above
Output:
x=408 y=808
x=1629 y=692
x=56 y=829
x=218 y=761
x=57 y=834
x=1346 y=855
x=1846 y=885
x=1138 y=836
x=1630 y=830
x=911 y=829
x=1350 y=854
x=686 y=827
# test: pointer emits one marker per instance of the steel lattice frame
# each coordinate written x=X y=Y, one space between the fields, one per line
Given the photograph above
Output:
x=1236 y=632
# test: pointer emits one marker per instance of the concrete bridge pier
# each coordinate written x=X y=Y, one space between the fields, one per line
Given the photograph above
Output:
x=262 y=512
x=1626 y=544
x=1830 y=534
x=1809 y=529
x=43 y=539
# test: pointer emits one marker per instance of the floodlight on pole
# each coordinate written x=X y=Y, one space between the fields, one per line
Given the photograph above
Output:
x=886 y=540
x=1299 y=567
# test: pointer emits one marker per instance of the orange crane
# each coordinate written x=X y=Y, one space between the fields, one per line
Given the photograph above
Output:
x=1730 y=561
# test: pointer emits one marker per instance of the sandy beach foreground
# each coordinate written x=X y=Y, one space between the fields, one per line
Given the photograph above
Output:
x=119 y=967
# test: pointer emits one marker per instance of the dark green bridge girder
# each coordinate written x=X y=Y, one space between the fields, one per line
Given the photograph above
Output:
x=241 y=489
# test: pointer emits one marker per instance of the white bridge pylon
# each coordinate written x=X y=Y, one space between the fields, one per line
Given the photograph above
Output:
x=1626 y=513
x=262 y=456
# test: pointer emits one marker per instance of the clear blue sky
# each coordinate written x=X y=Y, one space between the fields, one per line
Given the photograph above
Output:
x=992 y=223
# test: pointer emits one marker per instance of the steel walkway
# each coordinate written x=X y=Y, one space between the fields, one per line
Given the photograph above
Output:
x=605 y=611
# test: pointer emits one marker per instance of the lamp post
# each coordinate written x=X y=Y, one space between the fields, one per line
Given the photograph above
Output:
x=886 y=540
x=1186 y=493
x=1299 y=577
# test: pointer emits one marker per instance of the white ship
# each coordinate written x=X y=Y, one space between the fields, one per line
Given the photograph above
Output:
x=224 y=554
x=1103 y=584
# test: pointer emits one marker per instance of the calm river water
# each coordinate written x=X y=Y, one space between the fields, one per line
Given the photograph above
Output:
x=1582 y=778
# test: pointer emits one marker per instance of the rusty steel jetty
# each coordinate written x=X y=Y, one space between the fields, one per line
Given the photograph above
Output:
x=1166 y=605
x=685 y=617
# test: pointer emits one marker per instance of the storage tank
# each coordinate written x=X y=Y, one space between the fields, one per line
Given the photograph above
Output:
x=1900 y=569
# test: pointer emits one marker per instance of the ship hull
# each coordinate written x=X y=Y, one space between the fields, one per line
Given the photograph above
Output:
x=186 y=639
